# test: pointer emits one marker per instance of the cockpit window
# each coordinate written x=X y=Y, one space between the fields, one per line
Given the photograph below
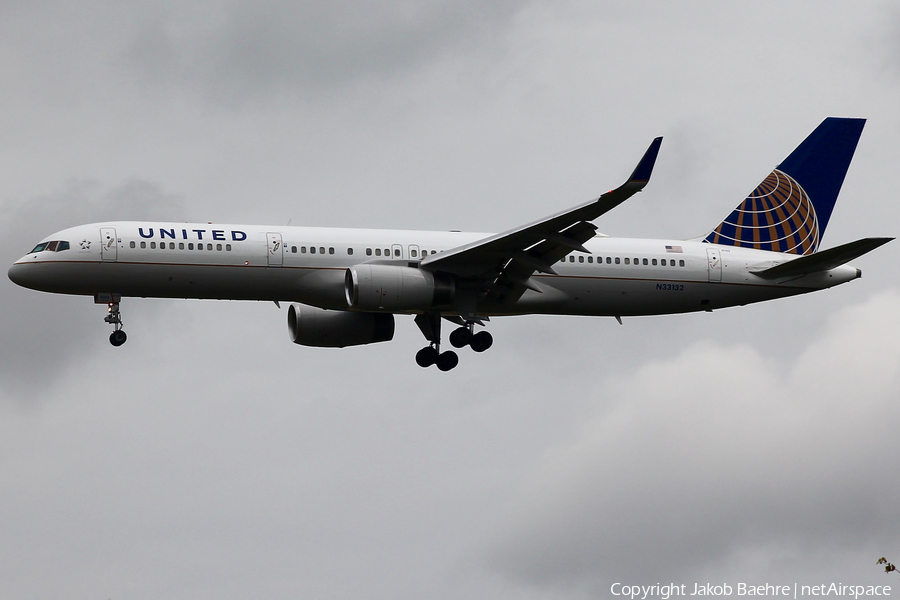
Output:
x=54 y=246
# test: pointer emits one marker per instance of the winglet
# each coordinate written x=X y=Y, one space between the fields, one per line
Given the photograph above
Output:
x=645 y=167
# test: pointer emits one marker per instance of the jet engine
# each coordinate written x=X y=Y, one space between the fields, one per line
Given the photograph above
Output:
x=396 y=288
x=311 y=326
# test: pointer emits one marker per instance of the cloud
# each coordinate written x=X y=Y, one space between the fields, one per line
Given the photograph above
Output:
x=240 y=52
x=211 y=457
x=718 y=453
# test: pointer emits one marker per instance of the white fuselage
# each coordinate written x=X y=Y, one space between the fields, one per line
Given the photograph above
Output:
x=618 y=277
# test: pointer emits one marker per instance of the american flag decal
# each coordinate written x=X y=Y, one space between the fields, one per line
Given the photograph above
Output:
x=676 y=249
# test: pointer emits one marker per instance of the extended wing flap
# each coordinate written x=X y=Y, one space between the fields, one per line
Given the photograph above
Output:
x=820 y=261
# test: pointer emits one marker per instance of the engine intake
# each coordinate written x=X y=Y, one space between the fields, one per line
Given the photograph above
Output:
x=392 y=287
x=311 y=326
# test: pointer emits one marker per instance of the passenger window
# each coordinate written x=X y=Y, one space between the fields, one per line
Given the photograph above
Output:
x=396 y=252
x=434 y=251
x=581 y=259
x=377 y=251
x=608 y=260
x=645 y=262
x=654 y=262
x=131 y=245
x=617 y=260
x=143 y=244
x=627 y=261
x=321 y=249
x=219 y=247
x=637 y=261
x=590 y=259
x=387 y=251
x=680 y=263
x=662 y=261
x=209 y=246
x=368 y=252
x=302 y=249
x=293 y=249
x=571 y=259
x=181 y=245
x=331 y=251
x=312 y=249
x=350 y=251
x=228 y=247
x=414 y=253
x=153 y=245
x=190 y=245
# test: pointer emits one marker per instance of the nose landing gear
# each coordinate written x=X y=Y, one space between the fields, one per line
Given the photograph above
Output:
x=114 y=317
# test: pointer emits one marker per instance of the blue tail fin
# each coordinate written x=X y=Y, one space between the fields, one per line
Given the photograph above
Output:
x=789 y=210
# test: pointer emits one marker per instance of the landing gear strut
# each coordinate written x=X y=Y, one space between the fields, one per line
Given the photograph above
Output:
x=114 y=318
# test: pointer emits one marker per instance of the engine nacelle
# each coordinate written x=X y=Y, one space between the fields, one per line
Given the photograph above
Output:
x=392 y=287
x=311 y=326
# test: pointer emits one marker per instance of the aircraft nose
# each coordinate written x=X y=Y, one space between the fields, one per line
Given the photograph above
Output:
x=21 y=274
x=15 y=274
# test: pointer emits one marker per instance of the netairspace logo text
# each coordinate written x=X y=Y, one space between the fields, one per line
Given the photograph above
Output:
x=674 y=590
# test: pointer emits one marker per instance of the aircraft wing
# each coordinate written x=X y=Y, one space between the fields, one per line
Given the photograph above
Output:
x=820 y=261
x=502 y=264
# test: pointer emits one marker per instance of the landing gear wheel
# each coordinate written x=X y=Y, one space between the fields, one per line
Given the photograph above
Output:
x=117 y=338
x=447 y=360
x=460 y=337
x=481 y=341
x=426 y=357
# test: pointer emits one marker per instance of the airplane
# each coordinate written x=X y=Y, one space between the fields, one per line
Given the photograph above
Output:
x=346 y=285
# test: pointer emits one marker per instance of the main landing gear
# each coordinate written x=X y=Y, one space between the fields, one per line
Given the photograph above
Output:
x=430 y=325
x=465 y=336
x=114 y=318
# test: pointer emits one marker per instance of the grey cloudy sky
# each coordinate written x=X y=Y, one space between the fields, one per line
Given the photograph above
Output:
x=211 y=458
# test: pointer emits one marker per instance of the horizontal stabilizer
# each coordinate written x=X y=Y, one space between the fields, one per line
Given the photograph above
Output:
x=822 y=260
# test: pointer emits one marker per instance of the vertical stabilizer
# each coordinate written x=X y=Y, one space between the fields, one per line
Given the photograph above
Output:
x=789 y=210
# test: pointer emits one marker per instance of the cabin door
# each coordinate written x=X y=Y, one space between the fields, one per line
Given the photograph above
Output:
x=108 y=244
x=275 y=249
x=715 y=264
